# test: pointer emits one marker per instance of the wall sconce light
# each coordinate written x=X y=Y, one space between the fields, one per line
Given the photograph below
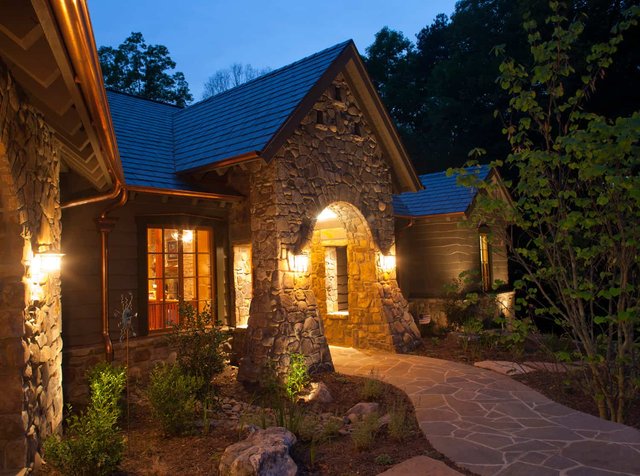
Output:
x=298 y=263
x=46 y=262
x=387 y=262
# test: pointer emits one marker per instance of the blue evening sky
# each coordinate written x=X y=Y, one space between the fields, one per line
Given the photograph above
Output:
x=206 y=35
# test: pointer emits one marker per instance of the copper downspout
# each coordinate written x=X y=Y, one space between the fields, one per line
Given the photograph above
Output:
x=105 y=225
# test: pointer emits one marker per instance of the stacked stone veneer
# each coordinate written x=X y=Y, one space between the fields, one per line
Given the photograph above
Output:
x=30 y=342
x=143 y=355
x=319 y=165
x=242 y=283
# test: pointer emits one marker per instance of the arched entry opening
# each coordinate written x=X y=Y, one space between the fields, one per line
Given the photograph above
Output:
x=347 y=279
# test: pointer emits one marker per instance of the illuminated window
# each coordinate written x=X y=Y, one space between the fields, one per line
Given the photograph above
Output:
x=179 y=270
x=485 y=261
x=337 y=279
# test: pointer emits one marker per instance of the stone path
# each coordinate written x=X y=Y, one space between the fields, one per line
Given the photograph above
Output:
x=493 y=425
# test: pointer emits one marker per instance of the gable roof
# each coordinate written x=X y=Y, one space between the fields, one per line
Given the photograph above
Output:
x=244 y=119
x=160 y=144
x=441 y=195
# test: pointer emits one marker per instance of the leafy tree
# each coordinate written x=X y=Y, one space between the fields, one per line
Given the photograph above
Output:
x=441 y=91
x=230 y=77
x=576 y=201
x=144 y=70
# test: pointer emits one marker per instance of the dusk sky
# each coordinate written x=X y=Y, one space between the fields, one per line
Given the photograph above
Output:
x=204 y=36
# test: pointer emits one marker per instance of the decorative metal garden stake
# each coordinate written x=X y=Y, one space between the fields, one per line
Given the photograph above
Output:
x=125 y=316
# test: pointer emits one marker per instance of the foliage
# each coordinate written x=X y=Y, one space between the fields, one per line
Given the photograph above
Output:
x=172 y=395
x=364 y=431
x=399 y=428
x=518 y=330
x=384 y=460
x=576 y=202
x=93 y=444
x=135 y=67
x=297 y=376
x=441 y=90
x=198 y=342
x=230 y=77
x=464 y=306
x=372 y=387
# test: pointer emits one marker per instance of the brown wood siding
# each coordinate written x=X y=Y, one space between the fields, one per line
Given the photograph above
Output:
x=81 y=268
x=434 y=251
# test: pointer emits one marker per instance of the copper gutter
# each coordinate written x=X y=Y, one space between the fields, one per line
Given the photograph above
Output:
x=74 y=23
x=94 y=199
x=184 y=193
x=105 y=225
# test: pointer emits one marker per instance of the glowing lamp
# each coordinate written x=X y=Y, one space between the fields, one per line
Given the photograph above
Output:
x=187 y=236
x=299 y=263
x=327 y=214
x=46 y=262
x=387 y=262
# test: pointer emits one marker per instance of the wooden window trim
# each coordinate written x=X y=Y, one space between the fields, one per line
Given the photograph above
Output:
x=219 y=293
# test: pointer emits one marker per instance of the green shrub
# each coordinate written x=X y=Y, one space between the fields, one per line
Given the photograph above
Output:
x=384 y=460
x=93 y=444
x=172 y=394
x=297 y=376
x=364 y=432
x=198 y=342
x=372 y=388
x=399 y=428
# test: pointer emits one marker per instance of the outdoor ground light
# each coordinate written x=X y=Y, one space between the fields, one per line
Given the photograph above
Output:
x=298 y=263
x=387 y=262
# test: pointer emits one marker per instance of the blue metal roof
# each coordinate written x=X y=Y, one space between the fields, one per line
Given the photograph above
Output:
x=245 y=118
x=156 y=141
x=441 y=194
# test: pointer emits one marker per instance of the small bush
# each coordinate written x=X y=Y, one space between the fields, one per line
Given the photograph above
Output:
x=172 y=394
x=297 y=376
x=198 y=341
x=384 y=460
x=372 y=388
x=93 y=444
x=399 y=428
x=364 y=432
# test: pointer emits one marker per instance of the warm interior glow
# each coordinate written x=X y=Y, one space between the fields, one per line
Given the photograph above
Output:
x=327 y=214
x=187 y=236
x=299 y=263
x=387 y=262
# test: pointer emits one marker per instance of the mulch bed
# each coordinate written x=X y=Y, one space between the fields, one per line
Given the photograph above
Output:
x=151 y=453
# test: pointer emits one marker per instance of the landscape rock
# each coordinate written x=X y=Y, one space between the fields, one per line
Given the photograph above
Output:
x=319 y=393
x=361 y=410
x=263 y=453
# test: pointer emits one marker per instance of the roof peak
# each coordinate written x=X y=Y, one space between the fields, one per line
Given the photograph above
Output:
x=279 y=70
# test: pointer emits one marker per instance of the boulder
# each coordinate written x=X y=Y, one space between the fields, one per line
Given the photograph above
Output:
x=319 y=393
x=263 y=453
x=361 y=410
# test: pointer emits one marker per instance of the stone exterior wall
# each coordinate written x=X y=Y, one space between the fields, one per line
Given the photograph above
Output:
x=242 y=283
x=144 y=354
x=338 y=160
x=30 y=342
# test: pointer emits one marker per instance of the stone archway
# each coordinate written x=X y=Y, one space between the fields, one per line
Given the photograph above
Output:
x=352 y=317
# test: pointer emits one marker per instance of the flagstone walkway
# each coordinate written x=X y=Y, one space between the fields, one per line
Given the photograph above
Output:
x=493 y=425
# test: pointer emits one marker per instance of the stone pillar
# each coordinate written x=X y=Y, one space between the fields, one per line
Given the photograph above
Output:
x=283 y=317
x=30 y=315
